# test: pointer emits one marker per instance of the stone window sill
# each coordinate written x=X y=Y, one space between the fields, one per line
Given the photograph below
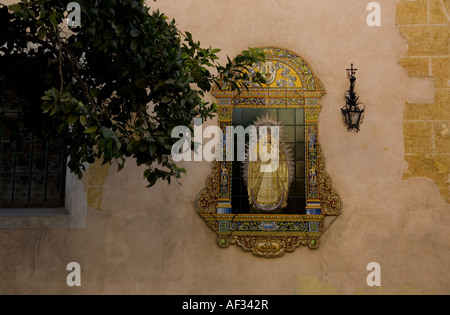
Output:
x=72 y=216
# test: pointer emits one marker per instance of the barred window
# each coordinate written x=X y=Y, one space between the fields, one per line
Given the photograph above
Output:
x=36 y=189
x=32 y=173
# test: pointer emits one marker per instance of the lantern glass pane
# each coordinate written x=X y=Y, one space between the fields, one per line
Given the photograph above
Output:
x=347 y=118
x=355 y=118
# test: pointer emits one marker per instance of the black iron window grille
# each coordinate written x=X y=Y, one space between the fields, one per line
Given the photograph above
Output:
x=32 y=172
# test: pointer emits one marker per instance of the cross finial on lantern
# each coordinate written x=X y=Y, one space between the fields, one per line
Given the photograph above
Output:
x=351 y=71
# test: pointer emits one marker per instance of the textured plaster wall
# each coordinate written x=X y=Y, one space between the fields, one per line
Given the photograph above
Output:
x=152 y=241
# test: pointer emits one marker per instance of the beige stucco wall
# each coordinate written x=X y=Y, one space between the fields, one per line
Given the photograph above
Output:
x=151 y=241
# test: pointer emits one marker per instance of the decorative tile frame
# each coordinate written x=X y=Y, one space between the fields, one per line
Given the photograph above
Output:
x=272 y=235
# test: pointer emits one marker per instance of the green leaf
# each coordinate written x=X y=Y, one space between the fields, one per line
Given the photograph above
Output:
x=52 y=19
x=32 y=13
x=147 y=173
x=153 y=149
x=15 y=8
x=93 y=92
x=108 y=133
x=72 y=119
x=134 y=45
x=47 y=107
x=167 y=146
x=166 y=99
x=42 y=33
x=134 y=32
x=151 y=178
x=83 y=120
x=91 y=129
x=53 y=111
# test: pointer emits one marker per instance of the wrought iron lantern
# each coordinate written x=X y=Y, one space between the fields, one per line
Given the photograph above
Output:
x=352 y=112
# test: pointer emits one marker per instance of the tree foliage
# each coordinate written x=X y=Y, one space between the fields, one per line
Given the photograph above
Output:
x=112 y=88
